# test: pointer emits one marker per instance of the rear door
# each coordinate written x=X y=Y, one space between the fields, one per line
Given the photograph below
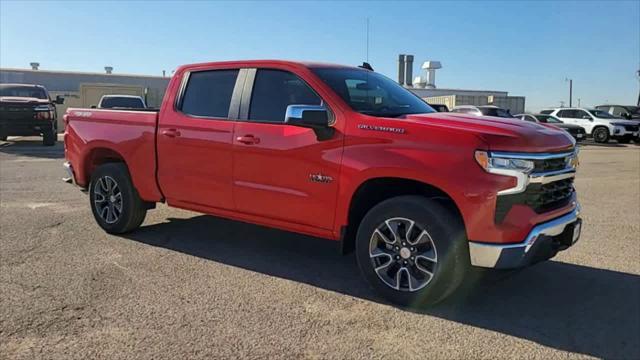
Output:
x=195 y=140
x=276 y=165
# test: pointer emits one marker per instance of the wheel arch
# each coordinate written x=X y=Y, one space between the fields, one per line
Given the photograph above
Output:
x=373 y=191
x=97 y=156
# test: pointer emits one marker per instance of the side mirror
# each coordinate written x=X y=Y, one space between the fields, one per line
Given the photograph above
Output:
x=587 y=117
x=93 y=106
x=626 y=116
x=59 y=100
x=315 y=117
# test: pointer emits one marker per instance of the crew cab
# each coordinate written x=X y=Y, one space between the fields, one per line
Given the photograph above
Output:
x=26 y=110
x=341 y=153
x=599 y=124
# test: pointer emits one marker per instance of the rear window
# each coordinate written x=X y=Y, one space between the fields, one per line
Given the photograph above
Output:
x=208 y=93
x=121 y=102
x=23 y=91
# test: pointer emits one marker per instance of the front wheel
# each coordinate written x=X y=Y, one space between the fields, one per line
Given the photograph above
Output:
x=601 y=135
x=412 y=250
x=49 y=137
x=115 y=203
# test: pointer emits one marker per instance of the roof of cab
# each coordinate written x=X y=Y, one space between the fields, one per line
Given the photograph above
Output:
x=267 y=62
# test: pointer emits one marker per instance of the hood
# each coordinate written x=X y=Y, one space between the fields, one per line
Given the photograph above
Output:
x=23 y=100
x=502 y=134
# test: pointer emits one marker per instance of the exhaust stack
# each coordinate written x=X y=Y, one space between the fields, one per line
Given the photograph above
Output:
x=408 y=70
x=401 y=69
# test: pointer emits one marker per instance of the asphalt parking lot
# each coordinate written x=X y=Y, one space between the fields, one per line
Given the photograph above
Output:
x=188 y=285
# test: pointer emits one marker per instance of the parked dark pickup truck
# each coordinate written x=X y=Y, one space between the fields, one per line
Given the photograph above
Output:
x=27 y=110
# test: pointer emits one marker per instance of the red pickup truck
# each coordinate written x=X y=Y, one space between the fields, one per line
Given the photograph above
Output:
x=341 y=153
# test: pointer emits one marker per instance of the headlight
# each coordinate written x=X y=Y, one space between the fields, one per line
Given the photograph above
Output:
x=573 y=161
x=496 y=164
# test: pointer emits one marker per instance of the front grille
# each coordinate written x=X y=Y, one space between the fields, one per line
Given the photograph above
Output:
x=541 y=198
x=549 y=165
x=633 y=128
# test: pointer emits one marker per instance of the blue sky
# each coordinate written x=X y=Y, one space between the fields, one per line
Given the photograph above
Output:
x=526 y=48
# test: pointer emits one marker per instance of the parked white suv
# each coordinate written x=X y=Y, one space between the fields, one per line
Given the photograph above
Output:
x=599 y=124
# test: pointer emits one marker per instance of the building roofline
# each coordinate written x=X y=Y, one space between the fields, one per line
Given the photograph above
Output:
x=84 y=73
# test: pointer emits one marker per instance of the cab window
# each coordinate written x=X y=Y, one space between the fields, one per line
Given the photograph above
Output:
x=208 y=93
x=274 y=90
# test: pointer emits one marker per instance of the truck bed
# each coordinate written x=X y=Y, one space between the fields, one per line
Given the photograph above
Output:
x=129 y=135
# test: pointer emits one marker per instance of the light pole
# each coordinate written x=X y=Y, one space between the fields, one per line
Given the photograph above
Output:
x=570 y=91
x=638 y=75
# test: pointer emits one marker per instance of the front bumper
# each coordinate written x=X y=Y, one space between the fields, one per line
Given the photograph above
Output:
x=542 y=243
x=25 y=128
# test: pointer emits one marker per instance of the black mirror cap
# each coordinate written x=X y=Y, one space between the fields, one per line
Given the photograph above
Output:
x=59 y=100
x=93 y=106
x=314 y=117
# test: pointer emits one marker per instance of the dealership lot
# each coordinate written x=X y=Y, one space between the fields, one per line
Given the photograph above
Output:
x=189 y=285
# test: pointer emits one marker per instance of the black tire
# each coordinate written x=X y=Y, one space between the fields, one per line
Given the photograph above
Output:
x=3 y=137
x=132 y=210
x=49 y=137
x=601 y=135
x=445 y=233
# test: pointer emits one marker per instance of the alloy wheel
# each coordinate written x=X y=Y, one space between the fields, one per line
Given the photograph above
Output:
x=403 y=254
x=107 y=199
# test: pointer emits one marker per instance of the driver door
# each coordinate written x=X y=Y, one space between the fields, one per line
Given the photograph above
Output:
x=276 y=165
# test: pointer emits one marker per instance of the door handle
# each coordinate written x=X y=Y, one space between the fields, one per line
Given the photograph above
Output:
x=248 y=139
x=171 y=133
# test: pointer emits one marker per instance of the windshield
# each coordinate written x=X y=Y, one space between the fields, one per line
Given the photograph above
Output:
x=371 y=93
x=121 y=102
x=496 y=112
x=603 y=114
x=22 y=91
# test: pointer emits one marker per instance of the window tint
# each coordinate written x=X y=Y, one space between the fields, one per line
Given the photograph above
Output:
x=580 y=113
x=208 y=93
x=274 y=90
x=22 y=91
x=121 y=102
x=566 y=114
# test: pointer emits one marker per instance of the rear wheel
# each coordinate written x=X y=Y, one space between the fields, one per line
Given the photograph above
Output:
x=412 y=250
x=115 y=203
x=601 y=135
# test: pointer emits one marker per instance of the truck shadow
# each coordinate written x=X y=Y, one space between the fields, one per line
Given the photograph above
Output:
x=32 y=147
x=564 y=306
